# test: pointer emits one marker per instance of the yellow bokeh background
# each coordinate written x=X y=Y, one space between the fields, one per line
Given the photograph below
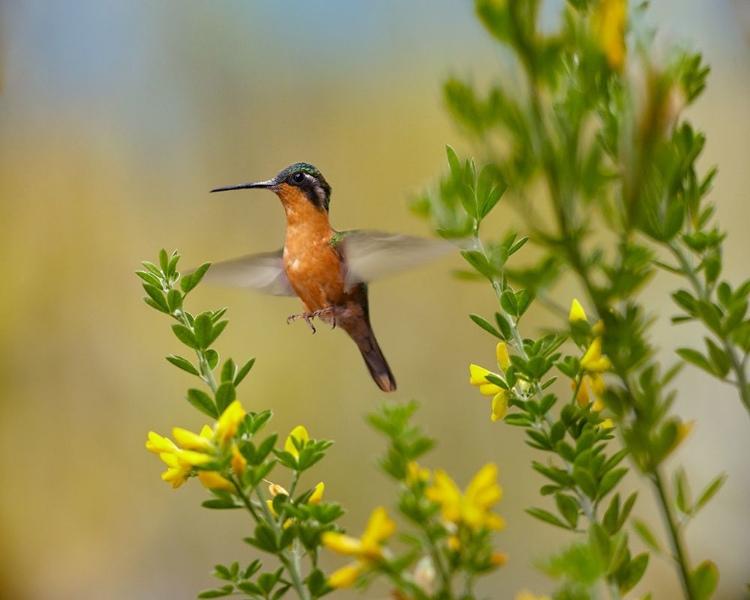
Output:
x=116 y=118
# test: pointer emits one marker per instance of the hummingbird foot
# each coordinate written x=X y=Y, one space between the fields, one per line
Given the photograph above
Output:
x=309 y=316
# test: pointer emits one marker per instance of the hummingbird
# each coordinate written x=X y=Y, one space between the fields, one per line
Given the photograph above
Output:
x=327 y=269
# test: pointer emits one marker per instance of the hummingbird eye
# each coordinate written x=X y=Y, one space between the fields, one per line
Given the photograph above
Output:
x=297 y=178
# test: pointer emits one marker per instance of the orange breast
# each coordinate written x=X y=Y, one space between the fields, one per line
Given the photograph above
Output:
x=312 y=266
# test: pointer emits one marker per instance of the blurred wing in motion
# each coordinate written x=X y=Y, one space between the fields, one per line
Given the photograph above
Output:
x=262 y=272
x=371 y=255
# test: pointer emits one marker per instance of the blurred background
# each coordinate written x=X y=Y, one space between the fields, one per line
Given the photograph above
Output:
x=116 y=118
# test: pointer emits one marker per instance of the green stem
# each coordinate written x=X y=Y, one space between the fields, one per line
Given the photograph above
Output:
x=678 y=546
x=290 y=560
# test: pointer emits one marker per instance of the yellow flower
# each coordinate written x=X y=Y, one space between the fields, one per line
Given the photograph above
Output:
x=192 y=441
x=317 y=494
x=498 y=559
x=499 y=405
x=180 y=463
x=227 y=424
x=606 y=424
x=683 y=430
x=472 y=508
x=347 y=576
x=416 y=474
x=299 y=433
x=576 y=312
x=608 y=23
x=503 y=358
x=158 y=444
x=598 y=328
x=239 y=464
x=177 y=472
x=478 y=378
x=211 y=480
x=598 y=387
x=593 y=361
x=367 y=550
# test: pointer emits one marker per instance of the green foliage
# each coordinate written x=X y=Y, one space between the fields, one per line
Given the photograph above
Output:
x=238 y=455
x=586 y=145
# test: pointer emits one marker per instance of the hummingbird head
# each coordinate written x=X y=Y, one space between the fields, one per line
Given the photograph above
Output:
x=297 y=179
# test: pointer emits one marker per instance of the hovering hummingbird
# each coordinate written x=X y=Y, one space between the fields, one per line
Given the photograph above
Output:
x=327 y=269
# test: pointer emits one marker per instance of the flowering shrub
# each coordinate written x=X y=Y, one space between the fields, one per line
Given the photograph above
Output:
x=593 y=142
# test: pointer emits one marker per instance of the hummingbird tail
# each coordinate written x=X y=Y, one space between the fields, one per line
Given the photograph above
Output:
x=376 y=363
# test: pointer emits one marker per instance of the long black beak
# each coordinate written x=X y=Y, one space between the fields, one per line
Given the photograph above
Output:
x=244 y=186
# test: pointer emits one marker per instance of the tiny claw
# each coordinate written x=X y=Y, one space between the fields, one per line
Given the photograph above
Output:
x=306 y=316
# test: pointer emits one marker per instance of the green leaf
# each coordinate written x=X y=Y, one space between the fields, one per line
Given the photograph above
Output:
x=454 y=164
x=626 y=508
x=172 y=266
x=212 y=357
x=265 y=447
x=710 y=491
x=553 y=473
x=696 y=358
x=202 y=401
x=183 y=363
x=585 y=481
x=477 y=260
x=610 y=518
x=216 y=331
x=648 y=537
x=224 y=590
x=316 y=583
x=518 y=245
x=164 y=261
x=174 y=300
x=704 y=578
x=610 y=480
x=504 y=325
x=509 y=303
x=228 y=370
x=185 y=335
x=242 y=373
x=719 y=359
x=149 y=278
x=221 y=503
x=523 y=300
x=225 y=395
x=568 y=508
x=148 y=300
x=203 y=329
x=153 y=269
x=265 y=539
x=484 y=324
x=685 y=300
x=710 y=315
x=633 y=573
x=157 y=296
x=190 y=281
x=547 y=517
x=683 y=500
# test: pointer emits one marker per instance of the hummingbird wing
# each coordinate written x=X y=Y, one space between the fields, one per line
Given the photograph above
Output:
x=262 y=272
x=371 y=255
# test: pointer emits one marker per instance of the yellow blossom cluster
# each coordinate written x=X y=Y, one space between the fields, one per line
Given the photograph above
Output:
x=608 y=24
x=593 y=364
x=478 y=378
x=196 y=450
x=473 y=507
x=367 y=550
